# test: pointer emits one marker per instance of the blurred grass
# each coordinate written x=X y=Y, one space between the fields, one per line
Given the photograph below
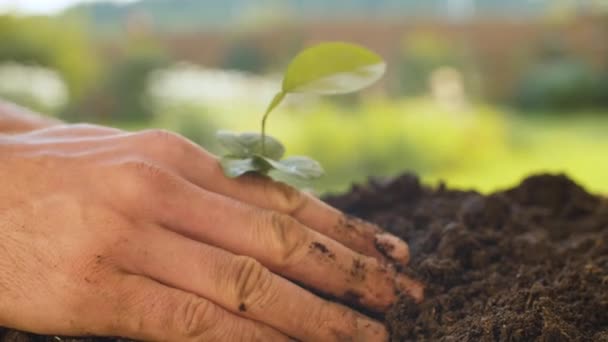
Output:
x=143 y=78
x=481 y=147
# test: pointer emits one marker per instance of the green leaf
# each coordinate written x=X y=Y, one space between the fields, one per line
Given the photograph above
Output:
x=333 y=68
x=244 y=145
x=235 y=167
x=297 y=167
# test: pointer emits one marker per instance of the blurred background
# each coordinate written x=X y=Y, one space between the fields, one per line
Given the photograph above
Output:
x=478 y=93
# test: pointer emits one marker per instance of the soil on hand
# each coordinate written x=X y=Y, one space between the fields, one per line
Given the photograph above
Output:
x=526 y=264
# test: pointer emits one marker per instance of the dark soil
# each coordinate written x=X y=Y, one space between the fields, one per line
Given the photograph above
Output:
x=526 y=264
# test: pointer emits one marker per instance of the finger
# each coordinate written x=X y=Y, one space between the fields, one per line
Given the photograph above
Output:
x=280 y=242
x=243 y=286
x=143 y=309
x=203 y=169
x=355 y=233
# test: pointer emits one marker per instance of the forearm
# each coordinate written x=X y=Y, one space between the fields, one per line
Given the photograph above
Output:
x=15 y=119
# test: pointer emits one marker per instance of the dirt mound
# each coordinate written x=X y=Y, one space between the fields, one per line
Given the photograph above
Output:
x=530 y=263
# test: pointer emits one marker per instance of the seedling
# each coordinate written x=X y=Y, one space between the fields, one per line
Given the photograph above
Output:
x=325 y=69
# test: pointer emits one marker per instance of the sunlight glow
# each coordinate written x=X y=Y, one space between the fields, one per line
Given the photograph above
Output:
x=48 y=7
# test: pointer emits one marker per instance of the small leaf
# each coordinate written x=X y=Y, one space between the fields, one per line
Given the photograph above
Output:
x=244 y=145
x=234 y=167
x=230 y=142
x=298 y=167
x=333 y=68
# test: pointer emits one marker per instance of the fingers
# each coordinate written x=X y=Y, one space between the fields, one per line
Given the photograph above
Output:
x=280 y=242
x=357 y=234
x=143 y=309
x=243 y=286
x=202 y=169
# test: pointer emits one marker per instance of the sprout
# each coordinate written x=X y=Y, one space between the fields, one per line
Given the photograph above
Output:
x=325 y=69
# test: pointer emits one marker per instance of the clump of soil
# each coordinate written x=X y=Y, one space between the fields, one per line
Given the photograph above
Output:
x=530 y=263
x=526 y=264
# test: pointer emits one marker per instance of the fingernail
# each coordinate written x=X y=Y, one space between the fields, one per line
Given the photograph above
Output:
x=392 y=247
x=412 y=288
x=370 y=330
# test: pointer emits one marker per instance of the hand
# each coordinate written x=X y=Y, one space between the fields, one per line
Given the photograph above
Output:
x=104 y=232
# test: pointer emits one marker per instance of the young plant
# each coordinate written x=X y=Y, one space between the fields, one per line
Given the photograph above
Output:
x=324 y=69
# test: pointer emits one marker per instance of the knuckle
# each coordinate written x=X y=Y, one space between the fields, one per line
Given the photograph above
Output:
x=332 y=320
x=84 y=126
x=87 y=127
x=252 y=283
x=238 y=331
x=196 y=318
x=165 y=144
x=283 y=197
x=143 y=169
x=140 y=179
x=162 y=137
x=287 y=238
x=125 y=301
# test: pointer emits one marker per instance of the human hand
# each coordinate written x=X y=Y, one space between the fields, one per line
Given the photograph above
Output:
x=140 y=235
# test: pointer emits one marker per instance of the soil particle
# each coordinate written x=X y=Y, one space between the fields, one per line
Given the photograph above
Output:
x=352 y=224
x=358 y=271
x=317 y=246
x=352 y=298
x=525 y=264
x=384 y=248
x=242 y=307
x=320 y=247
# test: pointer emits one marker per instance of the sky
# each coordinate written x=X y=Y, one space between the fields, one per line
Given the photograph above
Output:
x=40 y=6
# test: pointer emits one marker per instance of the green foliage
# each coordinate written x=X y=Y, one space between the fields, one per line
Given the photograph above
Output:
x=245 y=56
x=191 y=121
x=561 y=83
x=121 y=94
x=57 y=45
x=423 y=53
x=560 y=79
x=127 y=85
x=244 y=145
x=245 y=153
x=327 y=68
x=485 y=147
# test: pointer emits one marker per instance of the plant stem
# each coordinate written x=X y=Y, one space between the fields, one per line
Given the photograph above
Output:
x=273 y=104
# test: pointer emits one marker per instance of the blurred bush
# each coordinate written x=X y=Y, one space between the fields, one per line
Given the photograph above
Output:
x=457 y=138
x=561 y=81
x=60 y=46
x=480 y=146
x=561 y=84
x=601 y=91
x=121 y=93
x=423 y=53
x=383 y=137
x=244 y=55
x=193 y=121
x=127 y=85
